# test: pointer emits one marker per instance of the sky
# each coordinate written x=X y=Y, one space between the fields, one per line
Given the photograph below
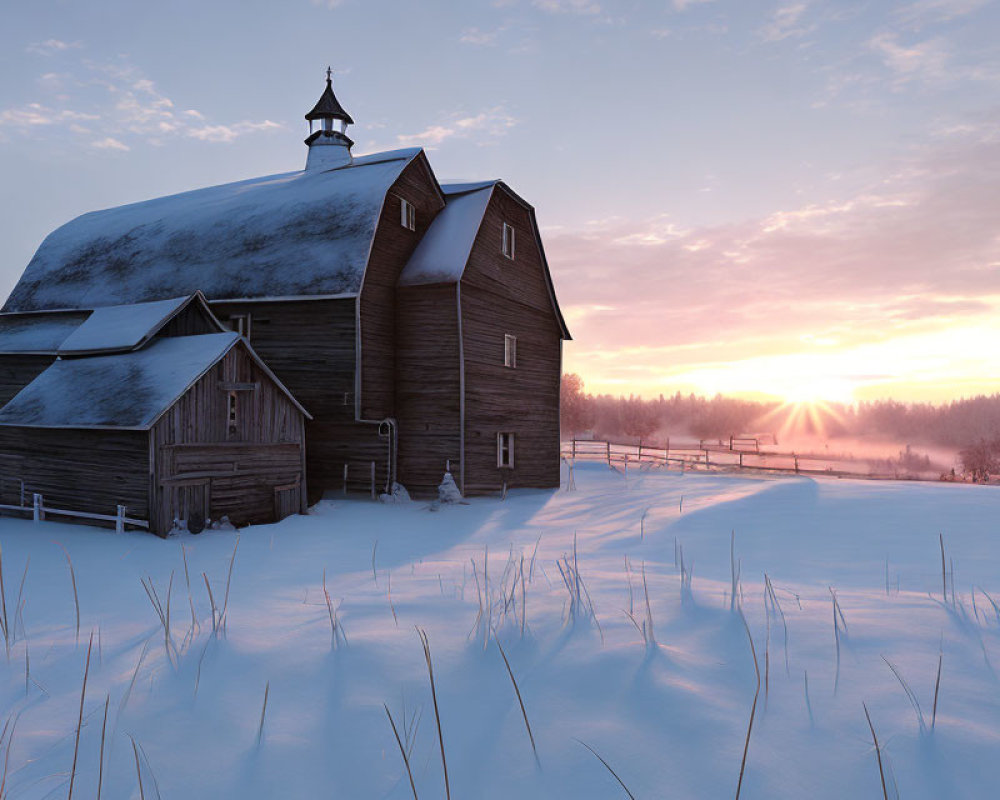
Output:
x=767 y=199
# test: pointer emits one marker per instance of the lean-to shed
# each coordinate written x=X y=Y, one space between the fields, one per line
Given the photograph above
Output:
x=170 y=426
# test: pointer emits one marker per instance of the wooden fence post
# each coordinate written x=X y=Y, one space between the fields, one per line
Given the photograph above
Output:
x=796 y=464
x=741 y=460
x=730 y=441
x=609 y=453
x=345 y=478
x=706 y=458
x=666 y=453
x=373 y=480
x=39 y=512
x=447 y=465
x=574 y=448
x=120 y=520
x=22 y=493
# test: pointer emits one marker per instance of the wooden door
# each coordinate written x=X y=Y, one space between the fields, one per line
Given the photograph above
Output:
x=190 y=497
x=286 y=501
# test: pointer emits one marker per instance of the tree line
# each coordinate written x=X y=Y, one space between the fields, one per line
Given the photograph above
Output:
x=965 y=424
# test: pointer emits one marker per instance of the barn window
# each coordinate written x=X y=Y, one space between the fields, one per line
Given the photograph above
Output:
x=509 y=350
x=232 y=412
x=407 y=214
x=241 y=324
x=505 y=450
x=507 y=246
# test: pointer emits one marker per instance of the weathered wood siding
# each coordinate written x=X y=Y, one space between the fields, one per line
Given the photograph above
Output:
x=503 y=296
x=193 y=320
x=193 y=442
x=78 y=470
x=310 y=346
x=428 y=391
x=16 y=372
x=391 y=248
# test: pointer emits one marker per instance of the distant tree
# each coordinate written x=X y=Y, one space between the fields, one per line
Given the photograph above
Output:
x=982 y=459
x=576 y=407
x=638 y=417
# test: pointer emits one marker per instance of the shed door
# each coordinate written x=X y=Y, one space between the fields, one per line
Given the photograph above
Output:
x=286 y=500
x=189 y=497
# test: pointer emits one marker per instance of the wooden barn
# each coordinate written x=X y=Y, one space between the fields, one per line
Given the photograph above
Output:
x=416 y=321
x=154 y=407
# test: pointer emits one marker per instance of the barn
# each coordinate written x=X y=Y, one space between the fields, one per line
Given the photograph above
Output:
x=153 y=407
x=416 y=320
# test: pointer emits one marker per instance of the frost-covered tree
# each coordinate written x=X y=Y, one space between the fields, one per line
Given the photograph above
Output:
x=576 y=407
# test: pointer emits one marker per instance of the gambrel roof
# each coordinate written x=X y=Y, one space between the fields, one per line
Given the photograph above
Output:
x=300 y=233
x=443 y=253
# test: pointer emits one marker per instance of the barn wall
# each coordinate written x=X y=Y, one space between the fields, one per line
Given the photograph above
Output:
x=391 y=249
x=16 y=372
x=309 y=344
x=501 y=296
x=193 y=441
x=427 y=384
x=78 y=470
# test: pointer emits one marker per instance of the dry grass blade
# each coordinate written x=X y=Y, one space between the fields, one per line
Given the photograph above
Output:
x=607 y=766
x=79 y=721
x=878 y=752
x=138 y=771
x=402 y=752
x=76 y=597
x=4 y=627
x=229 y=578
x=187 y=580
x=753 y=710
x=437 y=714
x=937 y=687
x=6 y=757
x=520 y=700
x=104 y=728
x=211 y=600
x=944 y=578
x=909 y=693
x=263 y=712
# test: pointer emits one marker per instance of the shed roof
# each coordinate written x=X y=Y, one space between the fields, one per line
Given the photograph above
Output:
x=300 y=233
x=443 y=252
x=127 y=391
x=121 y=327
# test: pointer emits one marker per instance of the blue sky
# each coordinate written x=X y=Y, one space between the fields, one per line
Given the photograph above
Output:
x=735 y=196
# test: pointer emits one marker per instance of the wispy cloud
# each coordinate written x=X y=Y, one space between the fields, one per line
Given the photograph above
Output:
x=118 y=102
x=569 y=6
x=50 y=46
x=853 y=271
x=785 y=22
x=488 y=124
x=926 y=12
x=926 y=60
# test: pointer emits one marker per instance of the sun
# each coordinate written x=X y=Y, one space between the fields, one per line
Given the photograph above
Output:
x=818 y=391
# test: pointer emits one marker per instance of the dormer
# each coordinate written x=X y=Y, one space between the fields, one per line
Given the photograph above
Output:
x=328 y=142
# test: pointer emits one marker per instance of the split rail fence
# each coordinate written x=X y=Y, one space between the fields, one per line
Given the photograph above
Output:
x=715 y=454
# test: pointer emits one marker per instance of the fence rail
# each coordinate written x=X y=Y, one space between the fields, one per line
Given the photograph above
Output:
x=736 y=454
x=39 y=511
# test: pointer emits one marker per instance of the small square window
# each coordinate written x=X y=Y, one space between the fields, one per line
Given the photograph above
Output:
x=241 y=324
x=509 y=350
x=407 y=214
x=508 y=241
x=505 y=450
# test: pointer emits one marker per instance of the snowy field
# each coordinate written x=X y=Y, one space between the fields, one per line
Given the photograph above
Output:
x=665 y=699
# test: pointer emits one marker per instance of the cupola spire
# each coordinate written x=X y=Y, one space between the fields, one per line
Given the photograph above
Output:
x=329 y=145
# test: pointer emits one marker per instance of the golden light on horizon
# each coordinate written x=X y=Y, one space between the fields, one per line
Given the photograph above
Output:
x=936 y=365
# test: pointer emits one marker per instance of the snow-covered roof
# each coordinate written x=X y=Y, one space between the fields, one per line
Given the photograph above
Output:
x=442 y=254
x=125 y=390
x=42 y=333
x=121 y=327
x=301 y=233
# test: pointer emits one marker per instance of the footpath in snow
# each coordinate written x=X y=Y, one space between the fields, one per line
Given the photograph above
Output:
x=613 y=604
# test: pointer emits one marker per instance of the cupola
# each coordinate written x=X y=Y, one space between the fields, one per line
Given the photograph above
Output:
x=328 y=142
